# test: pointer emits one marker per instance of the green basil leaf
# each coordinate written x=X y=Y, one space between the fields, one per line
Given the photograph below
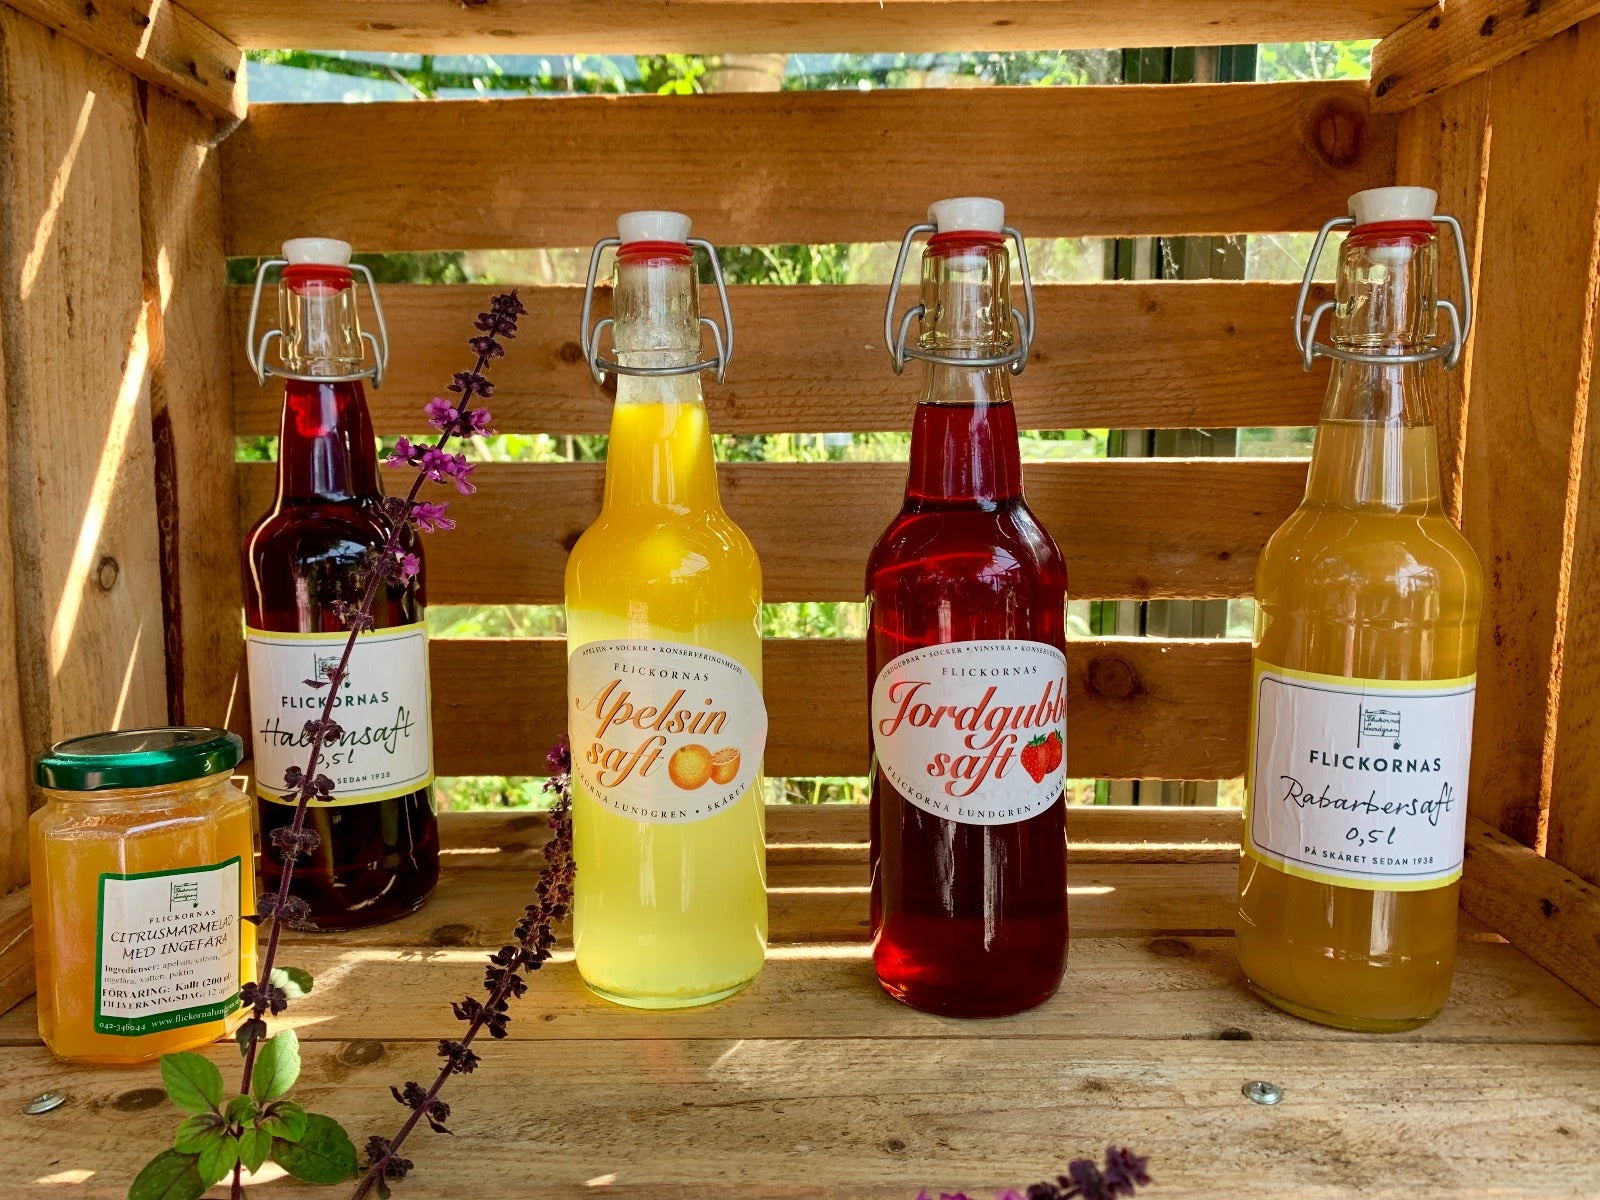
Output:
x=193 y=1084
x=277 y=1066
x=168 y=1176
x=254 y=1146
x=193 y=1132
x=324 y=1154
x=241 y=1110
x=294 y=982
x=285 y=1119
x=217 y=1159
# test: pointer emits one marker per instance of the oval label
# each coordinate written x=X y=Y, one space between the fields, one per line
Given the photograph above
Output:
x=974 y=731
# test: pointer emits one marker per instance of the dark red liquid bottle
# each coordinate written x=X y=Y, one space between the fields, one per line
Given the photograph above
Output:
x=379 y=853
x=967 y=670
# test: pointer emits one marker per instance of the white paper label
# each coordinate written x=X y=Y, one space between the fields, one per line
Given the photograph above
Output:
x=168 y=953
x=661 y=732
x=1360 y=782
x=974 y=731
x=383 y=708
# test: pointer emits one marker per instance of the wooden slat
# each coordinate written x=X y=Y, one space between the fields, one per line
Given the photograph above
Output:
x=1128 y=528
x=1530 y=391
x=727 y=26
x=15 y=798
x=1137 y=707
x=1545 y=910
x=79 y=462
x=156 y=41
x=16 y=948
x=789 y=166
x=181 y=206
x=875 y=1118
x=1444 y=144
x=811 y=360
x=1453 y=42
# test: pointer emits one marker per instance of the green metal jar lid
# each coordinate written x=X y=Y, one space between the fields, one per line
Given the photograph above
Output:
x=136 y=758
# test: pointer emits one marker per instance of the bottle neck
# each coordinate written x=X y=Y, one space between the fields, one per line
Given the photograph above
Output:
x=660 y=452
x=326 y=448
x=964 y=436
x=1376 y=446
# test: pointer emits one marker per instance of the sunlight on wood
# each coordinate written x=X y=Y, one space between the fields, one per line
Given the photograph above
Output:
x=600 y=1180
x=45 y=233
x=150 y=26
x=127 y=680
x=75 y=1176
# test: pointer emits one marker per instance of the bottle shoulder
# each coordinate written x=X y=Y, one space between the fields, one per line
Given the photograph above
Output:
x=1350 y=547
x=968 y=539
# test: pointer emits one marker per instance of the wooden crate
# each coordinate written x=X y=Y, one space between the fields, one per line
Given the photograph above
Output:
x=132 y=167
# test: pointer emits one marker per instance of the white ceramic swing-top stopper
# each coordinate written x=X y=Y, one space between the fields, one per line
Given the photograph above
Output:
x=1393 y=204
x=967 y=214
x=652 y=225
x=324 y=252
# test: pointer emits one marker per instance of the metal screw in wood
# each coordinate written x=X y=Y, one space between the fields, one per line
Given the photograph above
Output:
x=1262 y=1092
x=48 y=1102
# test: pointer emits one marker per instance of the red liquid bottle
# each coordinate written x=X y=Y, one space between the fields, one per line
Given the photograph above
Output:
x=379 y=856
x=966 y=661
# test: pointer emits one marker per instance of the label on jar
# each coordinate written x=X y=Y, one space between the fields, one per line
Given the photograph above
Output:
x=1360 y=782
x=974 y=732
x=383 y=707
x=661 y=732
x=167 y=952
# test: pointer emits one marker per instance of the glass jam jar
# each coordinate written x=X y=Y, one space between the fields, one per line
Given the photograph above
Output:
x=143 y=865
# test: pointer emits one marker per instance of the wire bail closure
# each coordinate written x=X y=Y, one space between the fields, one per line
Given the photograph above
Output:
x=256 y=352
x=589 y=338
x=1305 y=330
x=899 y=352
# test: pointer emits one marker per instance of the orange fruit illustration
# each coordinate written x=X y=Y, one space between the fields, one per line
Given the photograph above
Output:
x=725 y=765
x=690 y=766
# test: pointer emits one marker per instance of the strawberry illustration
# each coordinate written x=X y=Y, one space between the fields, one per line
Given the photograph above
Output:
x=1036 y=759
x=1058 y=750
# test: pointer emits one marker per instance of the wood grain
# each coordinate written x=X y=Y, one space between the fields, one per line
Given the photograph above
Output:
x=810 y=359
x=871 y=1118
x=79 y=457
x=1138 y=707
x=1128 y=529
x=157 y=41
x=181 y=208
x=1231 y=158
x=786 y=26
x=1530 y=388
x=1549 y=913
x=15 y=794
x=1451 y=43
x=16 y=949
x=1444 y=144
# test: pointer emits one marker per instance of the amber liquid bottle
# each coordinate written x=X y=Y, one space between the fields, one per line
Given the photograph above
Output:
x=1366 y=640
x=379 y=853
x=967 y=669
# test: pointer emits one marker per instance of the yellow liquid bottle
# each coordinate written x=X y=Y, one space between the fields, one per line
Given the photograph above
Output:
x=1366 y=638
x=664 y=672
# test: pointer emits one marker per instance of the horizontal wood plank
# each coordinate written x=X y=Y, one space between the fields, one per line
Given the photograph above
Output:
x=871 y=1118
x=810 y=360
x=789 y=166
x=731 y=26
x=16 y=948
x=1538 y=905
x=1138 y=707
x=1450 y=43
x=161 y=43
x=1129 y=528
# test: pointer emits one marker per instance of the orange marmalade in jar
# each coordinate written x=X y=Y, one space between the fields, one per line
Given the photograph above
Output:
x=143 y=862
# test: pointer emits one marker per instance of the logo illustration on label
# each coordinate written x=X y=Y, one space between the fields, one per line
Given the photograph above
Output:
x=383 y=708
x=1360 y=782
x=974 y=731
x=168 y=952
x=661 y=732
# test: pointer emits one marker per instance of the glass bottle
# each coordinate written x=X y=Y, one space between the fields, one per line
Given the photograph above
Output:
x=966 y=647
x=141 y=867
x=379 y=857
x=666 y=716
x=1365 y=652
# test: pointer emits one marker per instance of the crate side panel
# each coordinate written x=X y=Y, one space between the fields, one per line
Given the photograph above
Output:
x=811 y=359
x=788 y=166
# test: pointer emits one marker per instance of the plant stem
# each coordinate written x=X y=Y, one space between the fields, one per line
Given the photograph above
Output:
x=369 y=597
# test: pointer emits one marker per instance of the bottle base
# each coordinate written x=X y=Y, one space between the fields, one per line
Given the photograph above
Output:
x=1353 y=1022
x=967 y=1008
x=659 y=1003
